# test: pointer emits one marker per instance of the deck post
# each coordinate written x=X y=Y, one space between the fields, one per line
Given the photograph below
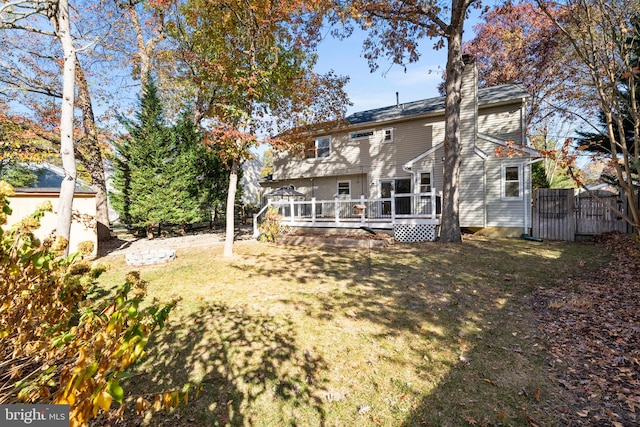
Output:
x=313 y=210
x=433 y=203
x=393 y=207
x=291 y=206
x=362 y=214
x=336 y=210
x=256 y=233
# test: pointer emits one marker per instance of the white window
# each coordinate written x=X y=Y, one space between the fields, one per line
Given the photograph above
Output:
x=344 y=188
x=319 y=147
x=512 y=181
x=425 y=182
x=361 y=134
x=387 y=135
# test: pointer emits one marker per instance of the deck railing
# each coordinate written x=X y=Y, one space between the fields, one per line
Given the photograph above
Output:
x=339 y=210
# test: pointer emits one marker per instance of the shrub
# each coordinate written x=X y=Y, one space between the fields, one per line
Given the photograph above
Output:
x=270 y=227
x=86 y=247
x=58 y=346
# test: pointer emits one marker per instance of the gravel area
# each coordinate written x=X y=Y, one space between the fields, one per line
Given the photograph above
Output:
x=119 y=246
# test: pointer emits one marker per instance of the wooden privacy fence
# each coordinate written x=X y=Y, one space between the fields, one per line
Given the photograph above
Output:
x=560 y=215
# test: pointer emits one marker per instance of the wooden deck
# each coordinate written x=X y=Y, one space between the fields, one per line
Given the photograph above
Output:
x=382 y=213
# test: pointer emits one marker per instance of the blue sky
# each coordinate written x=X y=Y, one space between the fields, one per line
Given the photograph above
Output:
x=378 y=89
x=368 y=90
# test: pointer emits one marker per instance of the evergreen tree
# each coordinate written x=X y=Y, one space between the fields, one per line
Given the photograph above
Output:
x=538 y=176
x=164 y=174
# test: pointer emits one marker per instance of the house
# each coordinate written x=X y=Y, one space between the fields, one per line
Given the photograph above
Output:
x=384 y=169
x=250 y=182
x=26 y=200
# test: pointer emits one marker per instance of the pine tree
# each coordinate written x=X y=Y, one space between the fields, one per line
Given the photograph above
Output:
x=164 y=174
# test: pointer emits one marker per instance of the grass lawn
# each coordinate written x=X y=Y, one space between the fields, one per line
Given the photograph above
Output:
x=422 y=334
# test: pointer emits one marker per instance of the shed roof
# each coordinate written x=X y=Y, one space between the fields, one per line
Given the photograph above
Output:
x=486 y=96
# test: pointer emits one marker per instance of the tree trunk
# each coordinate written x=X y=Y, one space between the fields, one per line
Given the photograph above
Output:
x=67 y=188
x=231 y=198
x=450 y=219
x=91 y=156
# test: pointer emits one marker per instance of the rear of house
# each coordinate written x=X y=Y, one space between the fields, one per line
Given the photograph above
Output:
x=395 y=155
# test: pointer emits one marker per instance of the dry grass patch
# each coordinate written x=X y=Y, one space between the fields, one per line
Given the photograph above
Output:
x=424 y=334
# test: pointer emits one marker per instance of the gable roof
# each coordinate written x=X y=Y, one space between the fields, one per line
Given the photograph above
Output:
x=486 y=96
x=478 y=151
x=527 y=150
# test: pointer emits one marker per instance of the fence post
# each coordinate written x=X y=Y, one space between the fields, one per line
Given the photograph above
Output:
x=336 y=210
x=362 y=203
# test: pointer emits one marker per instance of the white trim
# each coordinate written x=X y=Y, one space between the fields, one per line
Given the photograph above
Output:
x=342 y=181
x=361 y=134
x=384 y=135
x=315 y=148
x=432 y=150
x=503 y=181
x=480 y=153
x=419 y=173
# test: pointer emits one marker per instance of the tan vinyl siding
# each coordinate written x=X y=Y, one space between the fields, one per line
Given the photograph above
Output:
x=409 y=141
x=323 y=188
x=501 y=122
x=368 y=155
x=346 y=157
x=434 y=164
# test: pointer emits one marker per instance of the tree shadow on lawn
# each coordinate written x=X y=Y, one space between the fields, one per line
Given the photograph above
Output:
x=472 y=301
x=238 y=363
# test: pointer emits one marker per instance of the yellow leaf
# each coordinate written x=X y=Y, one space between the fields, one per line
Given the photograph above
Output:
x=157 y=404
x=103 y=400
x=142 y=405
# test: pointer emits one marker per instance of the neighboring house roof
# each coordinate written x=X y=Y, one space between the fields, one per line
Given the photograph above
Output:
x=50 y=180
x=486 y=96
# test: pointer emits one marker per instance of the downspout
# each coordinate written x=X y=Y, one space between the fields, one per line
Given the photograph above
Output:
x=527 y=206
x=484 y=193
x=526 y=235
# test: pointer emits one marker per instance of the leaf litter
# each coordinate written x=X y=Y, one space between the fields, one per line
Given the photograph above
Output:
x=592 y=327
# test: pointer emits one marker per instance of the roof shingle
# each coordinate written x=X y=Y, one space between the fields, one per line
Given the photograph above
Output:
x=486 y=96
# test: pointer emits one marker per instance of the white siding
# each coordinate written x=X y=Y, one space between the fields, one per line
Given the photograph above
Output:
x=472 y=185
x=501 y=212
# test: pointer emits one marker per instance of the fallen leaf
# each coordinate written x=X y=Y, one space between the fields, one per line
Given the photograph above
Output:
x=487 y=380
x=470 y=420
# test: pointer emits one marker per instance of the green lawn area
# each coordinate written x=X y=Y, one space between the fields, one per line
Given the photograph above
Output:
x=411 y=334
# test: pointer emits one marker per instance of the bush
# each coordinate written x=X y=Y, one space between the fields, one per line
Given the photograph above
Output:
x=270 y=228
x=86 y=247
x=57 y=346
